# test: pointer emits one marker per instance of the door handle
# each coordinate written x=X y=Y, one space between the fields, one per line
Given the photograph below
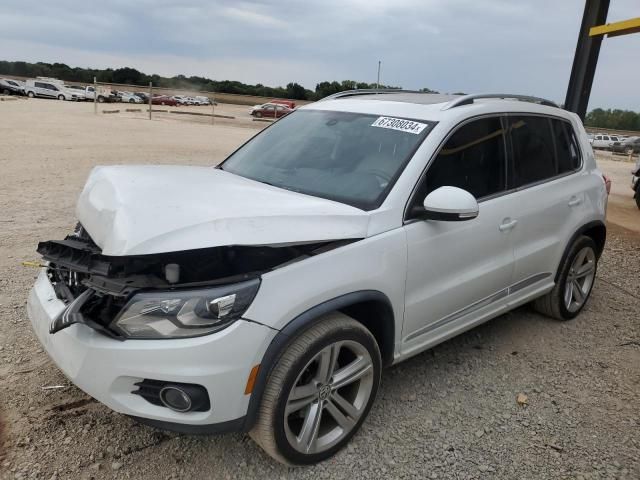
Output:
x=507 y=224
x=574 y=201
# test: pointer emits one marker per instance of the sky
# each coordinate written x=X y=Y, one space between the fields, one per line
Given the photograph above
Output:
x=506 y=46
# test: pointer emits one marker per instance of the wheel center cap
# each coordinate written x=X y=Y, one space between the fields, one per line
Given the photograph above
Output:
x=324 y=391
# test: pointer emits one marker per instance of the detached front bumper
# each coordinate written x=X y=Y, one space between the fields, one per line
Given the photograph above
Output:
x=107 y=369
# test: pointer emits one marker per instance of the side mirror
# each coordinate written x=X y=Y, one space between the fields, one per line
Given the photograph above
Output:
x=450 y=204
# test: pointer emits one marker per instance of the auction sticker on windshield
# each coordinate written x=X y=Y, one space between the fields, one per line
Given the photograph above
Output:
x=399 y=124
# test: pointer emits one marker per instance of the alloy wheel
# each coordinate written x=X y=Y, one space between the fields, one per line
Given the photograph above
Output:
x=328 y=397
x=580 y=279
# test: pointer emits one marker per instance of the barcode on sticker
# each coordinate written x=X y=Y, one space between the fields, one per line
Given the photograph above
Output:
x=399 y=124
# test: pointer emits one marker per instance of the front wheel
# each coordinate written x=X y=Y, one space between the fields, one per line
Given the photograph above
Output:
x=60 y=97
x=31 y=94
x=320 y=392
x=575 y=282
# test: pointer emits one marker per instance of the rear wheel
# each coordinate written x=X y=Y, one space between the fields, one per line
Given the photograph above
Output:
x=31 y=94
x=575 y=282
x=320 y=392
x=6 y=91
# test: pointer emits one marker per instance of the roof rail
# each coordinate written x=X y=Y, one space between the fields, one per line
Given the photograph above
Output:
x=366 y=91
x=469 y=99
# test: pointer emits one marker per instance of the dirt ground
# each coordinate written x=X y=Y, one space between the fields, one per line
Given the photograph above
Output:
x=447 y=413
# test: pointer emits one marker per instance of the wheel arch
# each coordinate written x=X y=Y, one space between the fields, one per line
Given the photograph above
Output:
x=596 y=230
x=371 y=308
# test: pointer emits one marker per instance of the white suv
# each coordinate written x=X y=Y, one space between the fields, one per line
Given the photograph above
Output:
x=265 y=295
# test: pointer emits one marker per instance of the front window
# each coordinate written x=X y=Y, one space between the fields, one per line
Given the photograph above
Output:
x=351 y=158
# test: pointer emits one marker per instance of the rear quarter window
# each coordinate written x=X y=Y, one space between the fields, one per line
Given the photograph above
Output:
x=567 y=151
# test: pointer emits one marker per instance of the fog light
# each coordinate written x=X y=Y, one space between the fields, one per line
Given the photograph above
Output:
x=176 y=399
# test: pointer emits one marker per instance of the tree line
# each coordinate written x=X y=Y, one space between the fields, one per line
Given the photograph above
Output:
x=613 y=119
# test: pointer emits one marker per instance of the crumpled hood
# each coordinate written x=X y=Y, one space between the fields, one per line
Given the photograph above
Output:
x=137 y=210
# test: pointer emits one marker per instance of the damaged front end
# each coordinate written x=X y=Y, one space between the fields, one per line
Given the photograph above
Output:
x=163 y=295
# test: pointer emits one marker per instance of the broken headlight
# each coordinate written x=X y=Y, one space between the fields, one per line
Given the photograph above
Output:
x=184 y=313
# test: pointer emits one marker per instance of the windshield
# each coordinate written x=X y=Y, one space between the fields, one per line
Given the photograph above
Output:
x=351 y=158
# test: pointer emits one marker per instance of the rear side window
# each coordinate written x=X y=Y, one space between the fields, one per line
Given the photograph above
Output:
x=567 y=153
x=472 y=159
x=533 y=150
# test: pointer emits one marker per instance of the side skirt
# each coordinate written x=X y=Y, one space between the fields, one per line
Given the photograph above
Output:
x=475 y=314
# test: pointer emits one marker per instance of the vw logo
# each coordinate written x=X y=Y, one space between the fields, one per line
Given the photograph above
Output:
x=323 y=392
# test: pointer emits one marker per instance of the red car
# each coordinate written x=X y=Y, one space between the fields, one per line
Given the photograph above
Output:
x=164 y=100
x=270 y=110
x=287 y=103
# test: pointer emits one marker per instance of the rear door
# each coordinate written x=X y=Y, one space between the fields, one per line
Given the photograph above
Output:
x=550 y=199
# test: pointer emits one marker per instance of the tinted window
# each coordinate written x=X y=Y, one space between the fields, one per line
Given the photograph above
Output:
x=533 y=152
x=40 y=85
x=567 y=153
x=472 y=159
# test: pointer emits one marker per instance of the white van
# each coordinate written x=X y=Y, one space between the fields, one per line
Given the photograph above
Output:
x=39 y=88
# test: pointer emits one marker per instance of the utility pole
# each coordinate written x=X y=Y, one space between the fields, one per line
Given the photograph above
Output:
x=95 y=96
x=378 y=81
x=586 y=57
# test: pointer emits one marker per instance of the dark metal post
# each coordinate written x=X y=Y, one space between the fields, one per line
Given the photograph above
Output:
x=95 y=96
x=586 y=57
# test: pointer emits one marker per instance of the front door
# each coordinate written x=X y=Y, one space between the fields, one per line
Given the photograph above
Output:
x=459 y=269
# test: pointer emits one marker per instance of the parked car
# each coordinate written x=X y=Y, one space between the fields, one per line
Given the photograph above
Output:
x=164 y=100
x=270 y=110
x=129 y=97
x=142 y=96
x=203 y=100
x=635 y=181
x=79 y=92
x=104 y=94
x=627 y=146
x=36 y=88
x=266 y=294
x=287 y=103
x=9 y=86
x=604 y=142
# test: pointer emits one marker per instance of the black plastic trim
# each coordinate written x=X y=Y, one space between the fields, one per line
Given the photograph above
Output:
x=214 y=428
x=301 y=322
x=580 y=231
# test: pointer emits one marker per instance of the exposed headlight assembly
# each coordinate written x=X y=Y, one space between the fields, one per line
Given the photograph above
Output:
x=184 y=313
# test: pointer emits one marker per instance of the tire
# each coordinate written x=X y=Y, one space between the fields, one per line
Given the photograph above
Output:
x=131 y=100
x=637 y=195
x=301 y=364
x=258 y=114
x=564 y=303
x=629 y=151
x=31 y=94
x=100 y=99
x=60 y=97
x=6 y=91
